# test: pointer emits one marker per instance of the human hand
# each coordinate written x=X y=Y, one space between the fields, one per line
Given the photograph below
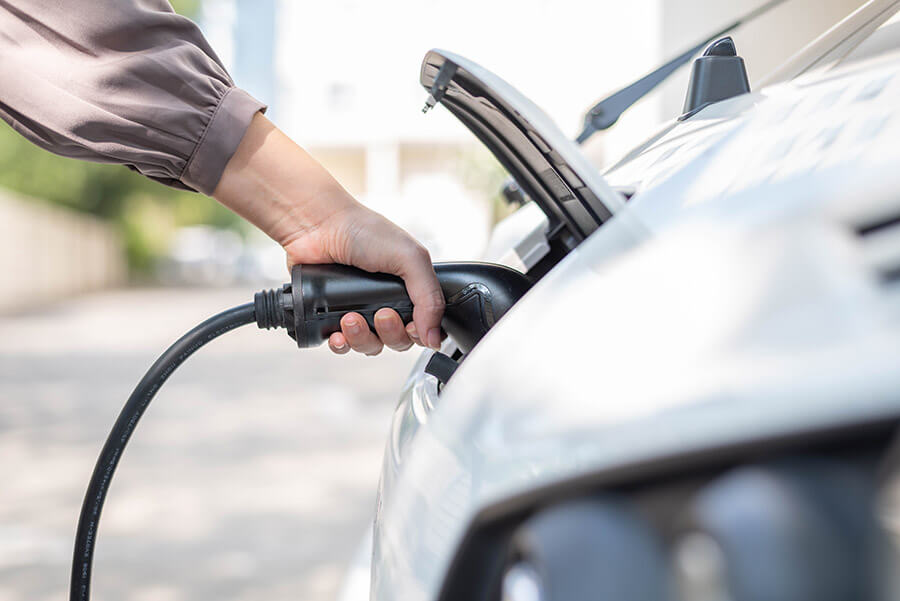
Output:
x=278 y=186
x=361 y=237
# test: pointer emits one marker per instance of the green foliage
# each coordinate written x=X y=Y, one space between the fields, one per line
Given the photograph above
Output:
x=145 y=212
x=188 y=8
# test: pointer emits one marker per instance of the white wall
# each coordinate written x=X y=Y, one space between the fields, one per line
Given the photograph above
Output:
x=349 y=69
x=47 y=252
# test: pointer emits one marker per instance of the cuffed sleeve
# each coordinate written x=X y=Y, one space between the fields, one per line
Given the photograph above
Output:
x=224 y=132
x=121 y=81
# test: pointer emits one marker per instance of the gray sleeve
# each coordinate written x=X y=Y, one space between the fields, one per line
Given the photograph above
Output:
x=121 y=81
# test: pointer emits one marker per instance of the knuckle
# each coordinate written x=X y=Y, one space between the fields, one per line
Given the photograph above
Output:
x=422 y=253
x=359 y=342
x=435 y=300
x=432 y=303
x=397 y=343
x=387 y=334
x=416 y=253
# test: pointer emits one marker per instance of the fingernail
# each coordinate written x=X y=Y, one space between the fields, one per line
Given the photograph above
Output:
x=434 y=338
x=353 y=326
x=341 y=346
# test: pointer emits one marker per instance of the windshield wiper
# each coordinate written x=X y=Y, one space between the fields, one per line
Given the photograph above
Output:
x=605 y=113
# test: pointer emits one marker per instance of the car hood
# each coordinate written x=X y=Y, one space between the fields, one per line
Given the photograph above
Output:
x=749 y=290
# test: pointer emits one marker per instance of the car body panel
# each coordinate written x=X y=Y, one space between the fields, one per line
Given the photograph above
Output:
x=734 y=298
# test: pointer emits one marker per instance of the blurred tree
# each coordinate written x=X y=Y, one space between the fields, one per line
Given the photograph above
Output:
x=189 y=8
x=145 y=212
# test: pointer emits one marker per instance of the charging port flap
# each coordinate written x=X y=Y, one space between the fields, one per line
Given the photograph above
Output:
x=547 y=165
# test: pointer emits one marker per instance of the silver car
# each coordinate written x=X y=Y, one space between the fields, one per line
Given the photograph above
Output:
x=699 y=398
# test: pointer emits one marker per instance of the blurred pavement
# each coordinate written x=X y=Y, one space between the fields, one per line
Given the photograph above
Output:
x=252 y=476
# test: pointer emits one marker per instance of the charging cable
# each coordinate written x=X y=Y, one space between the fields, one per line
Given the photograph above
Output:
x=310 y=308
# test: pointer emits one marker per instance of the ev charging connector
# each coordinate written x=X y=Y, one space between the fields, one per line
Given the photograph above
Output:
x=312 y=305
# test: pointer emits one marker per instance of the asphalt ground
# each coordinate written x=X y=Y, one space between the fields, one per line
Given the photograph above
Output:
x=252 y=475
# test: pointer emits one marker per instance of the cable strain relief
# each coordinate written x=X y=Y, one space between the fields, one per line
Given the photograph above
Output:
x=269 y=309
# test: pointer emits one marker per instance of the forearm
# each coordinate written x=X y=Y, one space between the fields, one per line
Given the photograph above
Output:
x=275 y=184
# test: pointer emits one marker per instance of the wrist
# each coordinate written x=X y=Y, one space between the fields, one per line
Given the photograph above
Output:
x=278 y=186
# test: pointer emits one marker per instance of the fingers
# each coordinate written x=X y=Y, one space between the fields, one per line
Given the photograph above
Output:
x=413 y=334
x=360 y=237
x=391 y=331
x=425 y=293
x=358 y=335
x=338 y=344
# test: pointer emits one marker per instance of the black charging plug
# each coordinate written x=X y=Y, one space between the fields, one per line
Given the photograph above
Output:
x=312 y=305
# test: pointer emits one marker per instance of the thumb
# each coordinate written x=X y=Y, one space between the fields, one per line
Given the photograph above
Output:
x=425 y=293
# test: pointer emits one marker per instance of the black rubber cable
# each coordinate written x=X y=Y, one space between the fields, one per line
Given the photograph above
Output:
x=159 y=372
